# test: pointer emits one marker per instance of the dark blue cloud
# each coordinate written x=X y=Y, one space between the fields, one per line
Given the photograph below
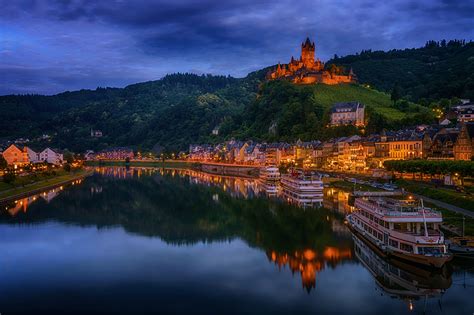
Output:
x=51 y=46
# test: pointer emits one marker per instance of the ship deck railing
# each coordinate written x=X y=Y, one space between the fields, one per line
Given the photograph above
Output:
x=418 y=211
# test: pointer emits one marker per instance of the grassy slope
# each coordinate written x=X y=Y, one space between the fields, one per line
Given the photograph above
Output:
x=327 y=95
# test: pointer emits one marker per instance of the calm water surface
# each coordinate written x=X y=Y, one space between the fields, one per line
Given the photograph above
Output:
x=139 y=240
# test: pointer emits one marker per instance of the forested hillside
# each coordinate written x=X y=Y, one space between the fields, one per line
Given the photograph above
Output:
x=438 y=70
x=284 y=111
x=171 y=112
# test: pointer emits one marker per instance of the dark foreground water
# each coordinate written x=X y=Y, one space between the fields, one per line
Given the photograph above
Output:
x=136 y=240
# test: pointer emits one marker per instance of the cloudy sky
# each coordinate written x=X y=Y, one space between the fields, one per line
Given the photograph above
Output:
x=52 y=46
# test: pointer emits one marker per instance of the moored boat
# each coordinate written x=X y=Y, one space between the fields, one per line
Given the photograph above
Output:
x=462 y=246
x=269 y=178
x=302 y=187
x=269 y=173
x=402 y=229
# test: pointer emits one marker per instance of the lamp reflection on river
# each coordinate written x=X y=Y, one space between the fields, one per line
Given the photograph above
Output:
x=308 y=262
x=21 y=205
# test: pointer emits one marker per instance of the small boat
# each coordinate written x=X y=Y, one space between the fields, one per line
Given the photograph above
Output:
x=402 y=229
x=303 y=188
x=462 y=246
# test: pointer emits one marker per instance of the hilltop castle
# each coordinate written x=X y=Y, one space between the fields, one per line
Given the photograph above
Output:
x=308 y=70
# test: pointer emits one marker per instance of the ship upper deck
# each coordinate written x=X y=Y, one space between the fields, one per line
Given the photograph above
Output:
x=395 y=208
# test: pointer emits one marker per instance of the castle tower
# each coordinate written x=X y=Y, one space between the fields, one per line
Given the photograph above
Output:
x=308 y=50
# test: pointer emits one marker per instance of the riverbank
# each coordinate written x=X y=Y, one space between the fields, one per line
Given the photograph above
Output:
x=49 y=183
x=342 y=184
x=463 y=200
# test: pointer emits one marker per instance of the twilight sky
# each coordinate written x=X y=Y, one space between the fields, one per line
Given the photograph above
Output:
x=52 y=46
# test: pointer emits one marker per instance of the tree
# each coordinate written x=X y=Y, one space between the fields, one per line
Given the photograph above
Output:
x=3 y=162
x=9 y=177
x=396 y=93
x=68 y=157
x=67 y=167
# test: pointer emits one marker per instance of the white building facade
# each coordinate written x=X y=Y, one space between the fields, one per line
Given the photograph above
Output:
x=50 y=156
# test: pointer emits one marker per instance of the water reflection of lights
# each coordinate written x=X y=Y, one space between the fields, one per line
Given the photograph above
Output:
x=22 y=204
x=309 y=262
x=238 y=187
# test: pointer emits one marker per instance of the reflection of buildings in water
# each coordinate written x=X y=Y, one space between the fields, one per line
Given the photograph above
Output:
x=96 y=190
x=235 y=186
x=401 y=280
x=309 y=262
x=50 y=195
x=238 y=187
x=123 y=172
x=337 y=200
x=22 y=204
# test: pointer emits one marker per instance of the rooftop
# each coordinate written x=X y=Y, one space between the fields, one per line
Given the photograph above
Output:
x=346 y=106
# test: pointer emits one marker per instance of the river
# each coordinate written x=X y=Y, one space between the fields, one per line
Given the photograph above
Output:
x=181 y=241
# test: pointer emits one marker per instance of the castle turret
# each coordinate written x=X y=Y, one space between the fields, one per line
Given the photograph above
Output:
x=308 y=50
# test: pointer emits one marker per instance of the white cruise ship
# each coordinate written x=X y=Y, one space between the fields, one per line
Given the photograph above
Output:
x=401 y=228
x=302 y=188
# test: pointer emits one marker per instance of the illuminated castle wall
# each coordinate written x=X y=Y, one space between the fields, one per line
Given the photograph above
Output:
x=308 y=70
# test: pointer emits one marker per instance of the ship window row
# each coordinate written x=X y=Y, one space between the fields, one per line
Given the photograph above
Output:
x=430 y=250
x=393 y=243
x=403 y=246
x=372 y=218
x=379 y=236
x=406 y=247
x=372 y=231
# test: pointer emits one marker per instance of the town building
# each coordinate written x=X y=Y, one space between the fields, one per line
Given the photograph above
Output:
x=463 y=149
x=33 y=156
x=118 y=153
x=442 y=145
x=96 y=133
x=51 y=156
x=15 y=155
x=348 y=113
x=309 y=70
x=406 y=148
x=466 y=113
